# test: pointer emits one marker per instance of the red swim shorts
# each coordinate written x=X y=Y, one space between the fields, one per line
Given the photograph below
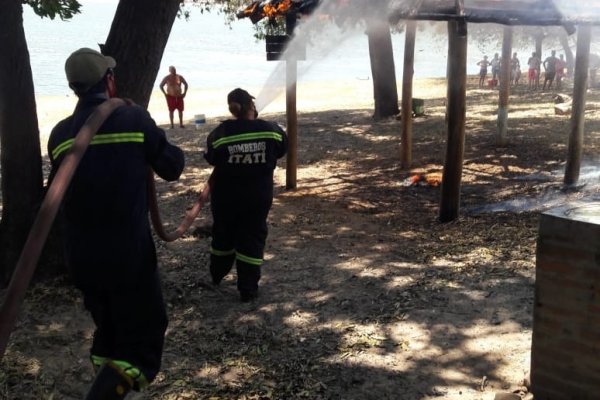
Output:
x=175 y=103
x=532 y=73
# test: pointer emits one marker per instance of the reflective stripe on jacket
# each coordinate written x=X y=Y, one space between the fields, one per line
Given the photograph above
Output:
x=106 y=207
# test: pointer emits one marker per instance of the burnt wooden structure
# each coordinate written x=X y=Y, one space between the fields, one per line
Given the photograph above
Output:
x=458 y=13
x=276 y=51
x=548 y=382
x=291 y=80
x=276 y=46
x=564 y=344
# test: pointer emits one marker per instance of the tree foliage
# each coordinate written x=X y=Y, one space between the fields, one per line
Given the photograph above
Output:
x=64 y=9
x=229 y=10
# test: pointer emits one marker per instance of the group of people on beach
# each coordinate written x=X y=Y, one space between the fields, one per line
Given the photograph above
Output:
x=109 y=248
x=554 y=69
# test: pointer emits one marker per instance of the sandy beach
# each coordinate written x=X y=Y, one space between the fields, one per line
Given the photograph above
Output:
x=311 y=97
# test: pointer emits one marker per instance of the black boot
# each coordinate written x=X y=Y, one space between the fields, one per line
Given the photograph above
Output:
x=220 y=267
x=247 y=296
x=111 y=383
x=247 y=280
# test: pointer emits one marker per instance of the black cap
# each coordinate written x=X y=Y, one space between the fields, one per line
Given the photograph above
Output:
x=239 y=96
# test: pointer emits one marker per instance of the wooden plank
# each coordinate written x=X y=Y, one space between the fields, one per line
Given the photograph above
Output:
x=507 y=12
x=407 y=84
x=504 y=86
x=274 y=56
x=291 y=77
x=275 y=47
x=292 y=125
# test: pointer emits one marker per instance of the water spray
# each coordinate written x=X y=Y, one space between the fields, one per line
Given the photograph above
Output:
x=315 y=17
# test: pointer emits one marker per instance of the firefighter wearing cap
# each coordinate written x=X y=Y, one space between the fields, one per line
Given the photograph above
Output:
x=109 y=248
x=244 y=153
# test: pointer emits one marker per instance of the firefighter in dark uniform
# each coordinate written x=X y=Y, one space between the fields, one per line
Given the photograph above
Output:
x=244 y=153
x=109 y=248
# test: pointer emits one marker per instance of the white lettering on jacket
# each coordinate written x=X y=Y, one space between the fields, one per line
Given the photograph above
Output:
x=247 y=153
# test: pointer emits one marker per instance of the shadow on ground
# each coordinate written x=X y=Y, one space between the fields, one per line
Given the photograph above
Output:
x=365 y=295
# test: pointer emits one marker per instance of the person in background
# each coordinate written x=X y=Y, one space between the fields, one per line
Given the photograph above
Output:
x=483 y=66
x=495 y=64
x=109 y=247
x=561 y=64
x=174 y=94
x=550 y=69
x=533 y=72
x=515 y=70
x=244 y=153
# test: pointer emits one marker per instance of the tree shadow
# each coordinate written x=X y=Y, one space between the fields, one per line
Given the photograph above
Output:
x=365 y=295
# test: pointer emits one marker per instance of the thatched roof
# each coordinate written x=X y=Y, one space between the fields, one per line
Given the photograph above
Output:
x=508 y=12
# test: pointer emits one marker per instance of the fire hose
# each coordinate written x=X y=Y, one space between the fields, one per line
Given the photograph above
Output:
x=187 y=221
x=34 y=244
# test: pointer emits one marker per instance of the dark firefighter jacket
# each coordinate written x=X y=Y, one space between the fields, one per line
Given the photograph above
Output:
x=244 y=154
x=105 y=209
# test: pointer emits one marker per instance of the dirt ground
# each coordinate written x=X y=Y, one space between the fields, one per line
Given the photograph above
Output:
x=365 y=295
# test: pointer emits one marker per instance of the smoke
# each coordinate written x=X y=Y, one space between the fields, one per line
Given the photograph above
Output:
x=575 y=9
x=554 y=194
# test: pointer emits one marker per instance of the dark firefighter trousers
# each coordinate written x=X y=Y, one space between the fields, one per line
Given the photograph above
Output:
x=131 y=321
x=239 y=235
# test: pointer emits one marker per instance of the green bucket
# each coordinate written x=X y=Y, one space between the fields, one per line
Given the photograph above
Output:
x=418 y=107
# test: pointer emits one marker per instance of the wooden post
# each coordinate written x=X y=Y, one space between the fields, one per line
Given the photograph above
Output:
x=504 y=86
x=291 y=78
x=292 y=124
x=582 y=62
x=407 y=84
x=456 y=109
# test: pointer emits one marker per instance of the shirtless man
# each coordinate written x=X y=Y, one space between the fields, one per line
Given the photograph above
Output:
x=533 y=74
x=495 y=63
x=550 y=68
x=174 y=94
x=483 y=66
x=515 y=70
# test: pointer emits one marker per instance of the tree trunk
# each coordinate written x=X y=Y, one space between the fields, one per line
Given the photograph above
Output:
x=20 y=156
x=569 y=57
x=385 y=91
x=539 y=38
x=137 y=39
